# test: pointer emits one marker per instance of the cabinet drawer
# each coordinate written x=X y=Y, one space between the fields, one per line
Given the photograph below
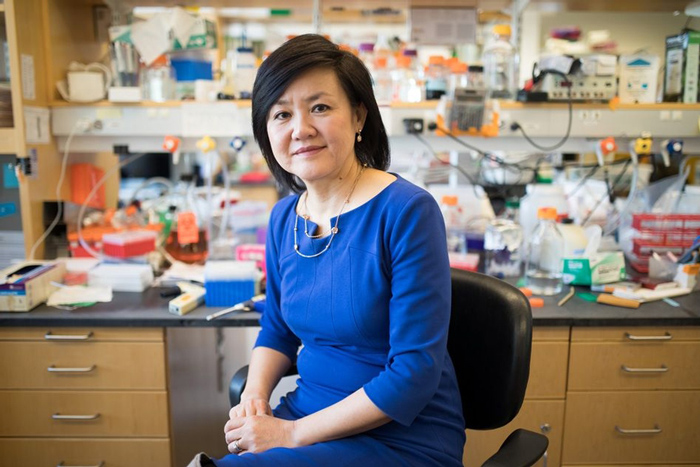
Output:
x=84 y=452
x=99 y=414
x=533 y=416
x=82 y=365
x=83 y=334
x=591 y=436
x=609 y=365
x=548 y=370
x=636 y=334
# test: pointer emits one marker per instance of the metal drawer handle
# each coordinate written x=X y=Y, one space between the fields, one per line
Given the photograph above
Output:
x=662 y=369
x=58 y=416
x=53 y=369
x=654 y=431
x=666 y=337
x=64 y=337
x=62 y=464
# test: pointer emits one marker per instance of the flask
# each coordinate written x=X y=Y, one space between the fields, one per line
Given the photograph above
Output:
x=499 y=64
x=188 y=240
x=454 y=224
x=503 y=243
x=544 y=260
x=435 y=78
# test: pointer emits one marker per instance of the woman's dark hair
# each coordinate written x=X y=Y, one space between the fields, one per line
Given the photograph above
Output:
x=294 y=57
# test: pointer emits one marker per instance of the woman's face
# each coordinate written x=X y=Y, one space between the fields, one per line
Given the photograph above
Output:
x=312 y=127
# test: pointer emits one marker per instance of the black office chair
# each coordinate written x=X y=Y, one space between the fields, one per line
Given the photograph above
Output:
x=490 y=339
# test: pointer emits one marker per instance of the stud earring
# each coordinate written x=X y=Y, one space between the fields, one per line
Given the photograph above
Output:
x=359 y=137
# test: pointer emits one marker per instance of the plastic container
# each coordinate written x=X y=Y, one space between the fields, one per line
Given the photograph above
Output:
x=158 y=80
x=245 y=71
x=128 y=244
x=408 y=81
x=436 y=75
x=575 y=240
x=543 y=271
x=227 y=283
x=454 y=224
x=499 y=64
x=83 y=179
x=382 y=81
x=540 y=195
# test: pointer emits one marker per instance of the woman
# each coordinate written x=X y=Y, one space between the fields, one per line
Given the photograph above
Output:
x=357 y=272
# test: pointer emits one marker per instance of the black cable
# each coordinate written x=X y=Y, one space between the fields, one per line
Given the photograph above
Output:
x=516 y=125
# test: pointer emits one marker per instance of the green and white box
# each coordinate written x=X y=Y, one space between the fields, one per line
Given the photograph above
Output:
x=604 y=268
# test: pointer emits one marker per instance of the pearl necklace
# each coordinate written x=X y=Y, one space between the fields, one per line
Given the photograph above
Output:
x=334 y=230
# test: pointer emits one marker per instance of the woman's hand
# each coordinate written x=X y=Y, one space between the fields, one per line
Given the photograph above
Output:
x=258 y=433
x=251 y=406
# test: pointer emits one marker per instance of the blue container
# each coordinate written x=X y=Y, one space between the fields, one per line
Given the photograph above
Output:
x=228 y=293
x=190 y=70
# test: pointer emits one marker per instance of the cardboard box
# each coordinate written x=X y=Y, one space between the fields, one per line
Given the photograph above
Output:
x=27 y=285
x=682 y=67
x=604 y=268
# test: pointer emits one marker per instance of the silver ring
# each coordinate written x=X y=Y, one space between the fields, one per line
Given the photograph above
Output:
x=236 y=447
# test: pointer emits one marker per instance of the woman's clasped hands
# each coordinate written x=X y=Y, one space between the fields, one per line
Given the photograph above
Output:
x=252 y=428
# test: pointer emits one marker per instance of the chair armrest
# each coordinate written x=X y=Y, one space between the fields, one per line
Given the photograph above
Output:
x=239 y=380
x=521 y=449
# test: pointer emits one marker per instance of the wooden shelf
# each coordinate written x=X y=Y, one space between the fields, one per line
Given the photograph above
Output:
x=8 y=141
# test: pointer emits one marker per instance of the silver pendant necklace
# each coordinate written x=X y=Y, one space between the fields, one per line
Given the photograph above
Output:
x=334 y=229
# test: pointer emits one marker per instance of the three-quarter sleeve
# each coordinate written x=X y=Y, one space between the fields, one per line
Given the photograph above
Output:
x=419 y=310
x=275 y=333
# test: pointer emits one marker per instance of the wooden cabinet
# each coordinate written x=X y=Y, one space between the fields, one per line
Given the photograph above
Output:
x=633 y=397
x=82 y=397
x=543 y=408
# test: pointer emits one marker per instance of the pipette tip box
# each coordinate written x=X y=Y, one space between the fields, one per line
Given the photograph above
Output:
x=230 y=282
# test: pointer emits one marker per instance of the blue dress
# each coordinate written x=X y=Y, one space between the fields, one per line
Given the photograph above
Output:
x=373 y=312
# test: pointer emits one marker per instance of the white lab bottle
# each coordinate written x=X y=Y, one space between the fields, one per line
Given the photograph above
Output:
x=245 y=71
x=575 y=240
x=543 y=271
x=499 y=64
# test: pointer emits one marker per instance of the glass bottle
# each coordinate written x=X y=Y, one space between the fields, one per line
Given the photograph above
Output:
x=475 y=77
x=188 y=239
x=458 y=77
x=435 y=78
x=407 y=79
x=544 y=262
x=365 y=52
x=382 y=81
x=499 y=64
x=503 y=241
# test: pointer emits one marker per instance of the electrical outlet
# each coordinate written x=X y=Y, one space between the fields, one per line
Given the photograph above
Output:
x=413 y=126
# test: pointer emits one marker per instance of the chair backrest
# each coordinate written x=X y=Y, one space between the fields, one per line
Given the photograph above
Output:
x=490 y=340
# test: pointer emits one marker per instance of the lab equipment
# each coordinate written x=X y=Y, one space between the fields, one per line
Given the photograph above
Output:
x=543 y=271
x=191 y=298
x=257 y=303
x=229 y=282
x=499 y=64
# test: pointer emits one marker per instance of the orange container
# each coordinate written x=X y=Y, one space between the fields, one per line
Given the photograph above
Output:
x=83 y=179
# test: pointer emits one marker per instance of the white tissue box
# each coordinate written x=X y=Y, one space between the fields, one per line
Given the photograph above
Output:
x=603 y=268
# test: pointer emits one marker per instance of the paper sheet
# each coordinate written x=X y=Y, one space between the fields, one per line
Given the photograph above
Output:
x=72 y=294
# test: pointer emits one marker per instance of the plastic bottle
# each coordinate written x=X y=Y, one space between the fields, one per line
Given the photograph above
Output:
x=407 y=79
x=454 y=224
x=503 y=243
x=458 y=77
x=499 y=64
x=245 y=71
x=540 y=195
x=546 y=252
x=435 y=78
x=575 y=240
x=158 y=80
x=365 y=52
x=382 y=81
x=475 y=77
